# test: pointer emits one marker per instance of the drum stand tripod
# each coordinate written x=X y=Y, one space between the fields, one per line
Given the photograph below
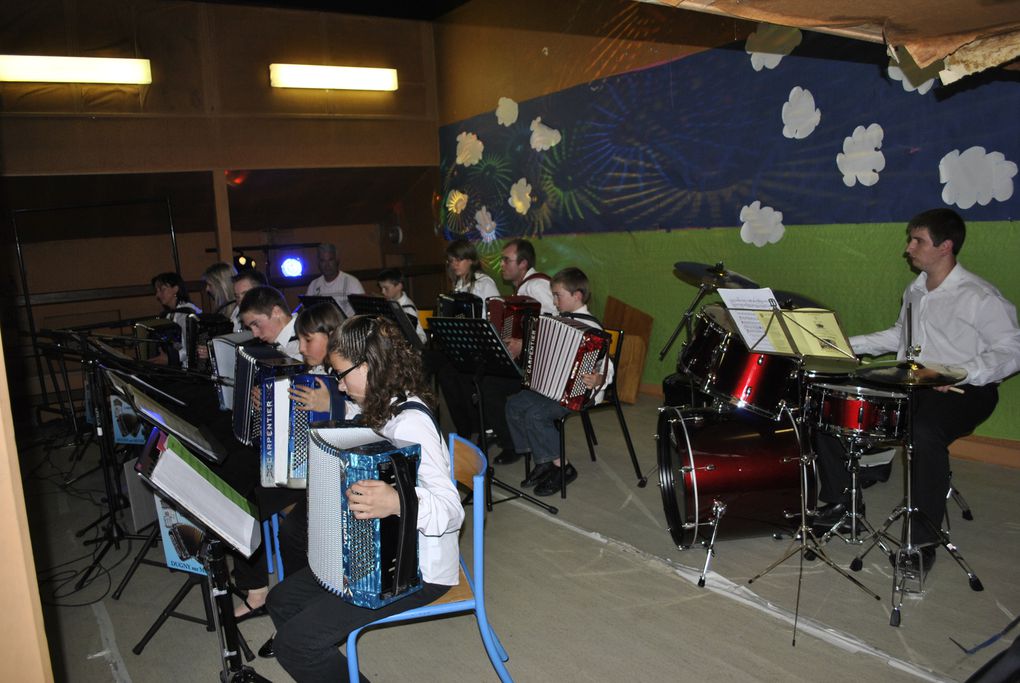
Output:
x=907 y=560
x=805 y=541
x=855 y=448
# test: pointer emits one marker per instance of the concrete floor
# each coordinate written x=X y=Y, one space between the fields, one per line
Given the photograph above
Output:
x=598 y=592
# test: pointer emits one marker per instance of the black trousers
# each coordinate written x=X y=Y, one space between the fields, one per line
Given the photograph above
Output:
x=939 y=418
x=311 y=623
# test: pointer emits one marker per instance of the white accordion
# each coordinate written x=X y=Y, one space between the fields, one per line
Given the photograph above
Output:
x=284 y=434
x=223 y=357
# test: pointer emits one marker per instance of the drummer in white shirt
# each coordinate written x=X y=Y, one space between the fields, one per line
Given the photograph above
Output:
x=957 y=319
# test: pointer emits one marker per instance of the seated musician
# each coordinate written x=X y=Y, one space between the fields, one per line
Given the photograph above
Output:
x=172 y=294
x=959 y=319
x=242 y=282
x=219 y=285
x=391 y=284
x=517 y=266
x=382 y=375
x=531 y=417
x=465 y=270
x=333 y=281
x=264 y=311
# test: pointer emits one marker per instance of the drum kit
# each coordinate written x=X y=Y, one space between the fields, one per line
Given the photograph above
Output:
x=736 y=449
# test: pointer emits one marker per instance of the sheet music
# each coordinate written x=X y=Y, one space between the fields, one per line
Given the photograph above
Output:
x=746 y=308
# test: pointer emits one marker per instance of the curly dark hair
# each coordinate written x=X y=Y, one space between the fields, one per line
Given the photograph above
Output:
x=394 y=368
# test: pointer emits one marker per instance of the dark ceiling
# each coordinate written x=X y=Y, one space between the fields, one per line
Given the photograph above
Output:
x=422 y=10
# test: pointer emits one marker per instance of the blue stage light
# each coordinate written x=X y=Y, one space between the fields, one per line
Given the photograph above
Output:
x=292 y=267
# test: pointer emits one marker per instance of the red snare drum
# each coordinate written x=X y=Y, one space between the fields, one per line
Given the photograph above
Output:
x=706 y=458
x=722 y=367
x=857 y=412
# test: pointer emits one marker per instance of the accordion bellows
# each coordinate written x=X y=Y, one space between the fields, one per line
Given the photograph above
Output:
x=254 y=365
x=367 y=562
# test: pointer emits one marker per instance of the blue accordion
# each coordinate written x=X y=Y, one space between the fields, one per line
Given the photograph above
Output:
x=367 y=562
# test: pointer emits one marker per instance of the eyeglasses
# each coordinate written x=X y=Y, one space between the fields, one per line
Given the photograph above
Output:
x=339 y=376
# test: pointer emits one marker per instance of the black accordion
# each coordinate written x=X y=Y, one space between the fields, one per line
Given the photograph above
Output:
x=459 y=305
x=559 y=351
x=255 y=364
x=201 y=328
x=510 y=315
x=367 y=562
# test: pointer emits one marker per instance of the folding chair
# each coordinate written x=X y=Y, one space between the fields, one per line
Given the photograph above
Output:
x=467 y=466
x=610 y=400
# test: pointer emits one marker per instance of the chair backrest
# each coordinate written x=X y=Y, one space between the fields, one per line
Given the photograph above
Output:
x=466 y=461
x=423 y=317
x=615 y=342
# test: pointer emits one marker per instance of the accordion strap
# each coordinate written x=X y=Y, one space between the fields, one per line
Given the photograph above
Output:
x=407 y=562
x=422 y=408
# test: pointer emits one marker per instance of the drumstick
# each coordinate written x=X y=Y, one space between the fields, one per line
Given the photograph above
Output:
x=956 y=390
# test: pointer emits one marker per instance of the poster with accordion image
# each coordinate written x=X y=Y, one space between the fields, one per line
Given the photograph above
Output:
x=182 y=538
x=127 y=428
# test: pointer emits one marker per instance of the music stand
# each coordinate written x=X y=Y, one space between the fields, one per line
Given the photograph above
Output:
x=364 y=304
x=474 y=348
x=212 y=552
x=770 y=330
x=306 y=300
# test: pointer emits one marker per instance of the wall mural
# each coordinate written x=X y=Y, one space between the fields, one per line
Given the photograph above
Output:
x=786 y=129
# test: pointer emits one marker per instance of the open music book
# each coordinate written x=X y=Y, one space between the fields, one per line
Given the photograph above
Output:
x=803 y=332
x=192 y=486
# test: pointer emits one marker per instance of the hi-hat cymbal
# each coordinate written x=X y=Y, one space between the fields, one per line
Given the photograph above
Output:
x=911 y=373
x=716 y=276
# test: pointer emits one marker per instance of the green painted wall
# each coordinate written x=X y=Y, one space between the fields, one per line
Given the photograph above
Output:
x=857 y=270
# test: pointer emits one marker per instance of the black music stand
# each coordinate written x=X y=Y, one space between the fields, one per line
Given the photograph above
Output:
x=307 y=300
x=364 y=304
x=474 y=348
x=216 y=584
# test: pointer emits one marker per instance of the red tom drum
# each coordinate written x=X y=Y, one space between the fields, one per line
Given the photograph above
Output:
x=721 y=366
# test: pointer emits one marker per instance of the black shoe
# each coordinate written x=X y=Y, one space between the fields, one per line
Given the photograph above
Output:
x=540 y=472
x=551 y=484
x=266 y=651
x=910 y=561
x=827 y=516
x=507 y=457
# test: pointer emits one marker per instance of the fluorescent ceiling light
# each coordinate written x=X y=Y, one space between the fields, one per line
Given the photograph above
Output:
x=331 y=77
x=38 y=69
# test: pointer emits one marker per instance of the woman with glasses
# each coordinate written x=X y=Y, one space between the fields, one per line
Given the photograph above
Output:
x=382 y=376
x=172 y=295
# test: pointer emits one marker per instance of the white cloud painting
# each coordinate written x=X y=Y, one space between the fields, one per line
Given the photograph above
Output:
x=976 y=177
x=861 y=159
x=800 y=116
x=761 y=225
x=769 y=44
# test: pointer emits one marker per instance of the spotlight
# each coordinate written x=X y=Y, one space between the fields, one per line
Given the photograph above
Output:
x=292 y=267
x=242 y=262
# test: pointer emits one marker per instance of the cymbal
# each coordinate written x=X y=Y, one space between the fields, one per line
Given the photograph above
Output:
x=716 y=276
x=911 y=373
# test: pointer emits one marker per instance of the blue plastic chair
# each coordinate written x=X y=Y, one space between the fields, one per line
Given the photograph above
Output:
x=467 y=466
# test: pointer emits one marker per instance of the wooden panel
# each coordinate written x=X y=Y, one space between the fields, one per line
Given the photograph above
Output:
x=637 y=328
